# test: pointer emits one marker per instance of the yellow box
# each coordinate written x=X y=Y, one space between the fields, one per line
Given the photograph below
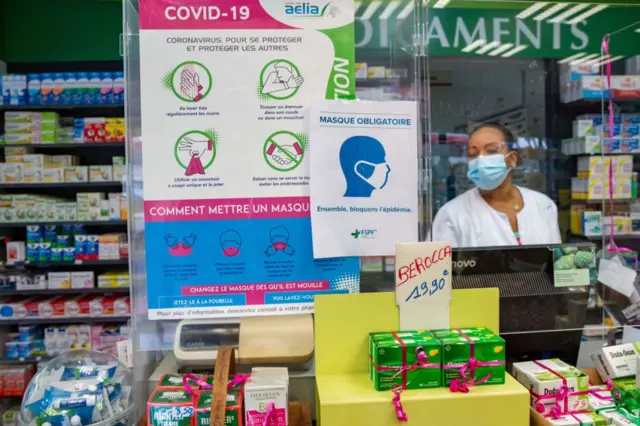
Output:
x=345 y=395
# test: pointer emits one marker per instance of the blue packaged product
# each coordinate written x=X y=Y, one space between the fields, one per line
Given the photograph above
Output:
x=92 y=246
x=68 y=254
x=70 y=89
x=46 y=89
x=44 y=252
x=56 y=254
x=62 y=240
x=118 y=87
x=77 y=229
x=11 y=350
x=33 y=89
x=34 y=233
x=49 y=234
x=78 y=130
x=80 y=244
x=66 y=229
x=27 y=332
x=58 y=88
x=82 y=84
x=630 y=145
x=631 y=131
x=630 y=119
x=33 y=251
x=94 y=87
x=106 y=88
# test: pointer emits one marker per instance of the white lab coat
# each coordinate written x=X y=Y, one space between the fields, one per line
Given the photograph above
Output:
x=468 y=221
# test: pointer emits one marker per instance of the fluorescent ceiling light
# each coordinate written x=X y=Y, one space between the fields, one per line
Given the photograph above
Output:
x=571 y=58
x=585 y=59
x=406 y=11
x=596 y=60
x=638 y=30
x=484 y=49
x=570 y=12
x=531 y=10
x=389 y=10
x=473 y=45
x=514 y=51
x=441 y=4
x=551 y=11
x=587 y=14
x=370 y=10
x=615 y=58
x=501 y=49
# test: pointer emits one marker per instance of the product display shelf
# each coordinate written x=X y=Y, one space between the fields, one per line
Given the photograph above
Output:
x=76 y=263
x=64 y=320
x=65 y=145
x=82 y=185
x=70 y=291
x=37 y=107
x=29 y=360
x=65 y=222
x=346 y=395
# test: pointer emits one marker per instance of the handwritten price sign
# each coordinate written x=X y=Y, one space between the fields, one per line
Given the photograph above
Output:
x=423 y=284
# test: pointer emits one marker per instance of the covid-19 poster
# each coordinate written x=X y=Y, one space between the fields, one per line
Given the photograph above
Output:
x=226 y=91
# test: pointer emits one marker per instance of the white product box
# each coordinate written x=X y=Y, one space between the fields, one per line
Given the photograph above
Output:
x=53 y=175
x=100 y=173
x=39 y=282
x=583 y=128
x=114 y=206
x=11 y=173
x=82 y=279
x=535 y=378
x=76 y=174
x=59 y=280
x=613 y=362
x=118 y=172
x=256 y=390
x=16 y=252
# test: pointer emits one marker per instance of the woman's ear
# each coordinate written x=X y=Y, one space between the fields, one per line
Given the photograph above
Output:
x=513 y=160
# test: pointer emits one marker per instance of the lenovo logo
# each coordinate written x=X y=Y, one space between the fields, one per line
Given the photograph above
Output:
x=458 y=264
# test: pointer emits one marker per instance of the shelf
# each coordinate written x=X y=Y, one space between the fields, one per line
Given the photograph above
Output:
x=77 y=263
x=58 y=107
x=604 y=200
x=112 y=184
x=30 y=360
x=64 y=320
x=83 y=223
x=66 y=145
x=615 y=237
x=74 y=291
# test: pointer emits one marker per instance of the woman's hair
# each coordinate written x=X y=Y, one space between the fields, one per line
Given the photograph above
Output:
x=506 y=133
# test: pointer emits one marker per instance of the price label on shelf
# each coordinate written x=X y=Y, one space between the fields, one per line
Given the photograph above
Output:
x=423 y=284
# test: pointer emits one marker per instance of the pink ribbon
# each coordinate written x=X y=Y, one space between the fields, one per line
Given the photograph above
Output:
x=237 y=379
x=465 y=380
x=268 y=414
x=561 y=396
x=611 y=247
x=400 y=413
x=595 y=392
x=422 y=361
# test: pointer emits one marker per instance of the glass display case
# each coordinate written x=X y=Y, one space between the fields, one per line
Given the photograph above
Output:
x=536 y=69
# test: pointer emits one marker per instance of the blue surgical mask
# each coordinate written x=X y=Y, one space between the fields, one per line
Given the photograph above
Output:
x=488 y=171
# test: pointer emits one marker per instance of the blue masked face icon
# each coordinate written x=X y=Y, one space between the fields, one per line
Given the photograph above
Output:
x=230 y=242
x=364 y=165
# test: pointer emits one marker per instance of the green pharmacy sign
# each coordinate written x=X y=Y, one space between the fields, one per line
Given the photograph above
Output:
x=464 y=31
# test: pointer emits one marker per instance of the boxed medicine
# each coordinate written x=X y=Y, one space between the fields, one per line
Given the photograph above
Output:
x=613 y=362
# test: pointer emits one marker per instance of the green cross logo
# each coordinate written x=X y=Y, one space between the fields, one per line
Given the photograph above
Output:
x=355 y=234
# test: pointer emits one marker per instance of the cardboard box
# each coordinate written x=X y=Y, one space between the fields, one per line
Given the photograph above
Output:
x=84 y=279
x=613 y=362
x=76 y=174
x=59 y=280
x=100 y=173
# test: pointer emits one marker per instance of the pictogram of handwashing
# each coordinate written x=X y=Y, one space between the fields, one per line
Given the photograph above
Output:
x=190 y=86
x=183 y=247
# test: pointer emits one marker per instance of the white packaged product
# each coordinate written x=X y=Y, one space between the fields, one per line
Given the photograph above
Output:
x=613 y=362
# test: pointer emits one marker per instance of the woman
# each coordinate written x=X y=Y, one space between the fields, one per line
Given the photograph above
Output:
x=496 y=212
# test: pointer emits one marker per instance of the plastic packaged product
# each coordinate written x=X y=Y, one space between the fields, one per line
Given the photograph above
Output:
x=70 y=89
x=106 y=88
x=95 y=82
x=387 y=351
x=33 y=88
x=118 y=87
x=547 y=377
x=11 y=350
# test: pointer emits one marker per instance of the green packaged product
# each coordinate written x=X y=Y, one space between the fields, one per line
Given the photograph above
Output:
x=233 y=412
x=406 y=359
x=624 y=383
x=472 y=359
x=459 y=332
x=170 y=407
